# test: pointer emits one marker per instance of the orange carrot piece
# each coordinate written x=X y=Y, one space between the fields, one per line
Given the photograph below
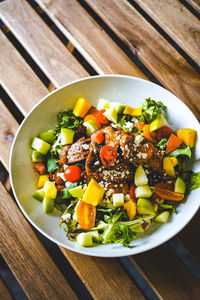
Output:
x=139 y=125
x=173 y=143
x=147 y=134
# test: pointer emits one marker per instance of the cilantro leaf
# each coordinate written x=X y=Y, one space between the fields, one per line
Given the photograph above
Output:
x=67 y=119
x=52 y=165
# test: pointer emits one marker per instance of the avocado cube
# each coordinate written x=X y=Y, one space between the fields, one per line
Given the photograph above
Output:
x=39 y=194
x=40 y=145
x=47 y=136
x=48 y=205
x=50 y=189
x=145 y=207
x=37 y=156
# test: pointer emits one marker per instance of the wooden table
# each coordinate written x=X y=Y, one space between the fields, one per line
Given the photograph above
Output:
x=49 y=43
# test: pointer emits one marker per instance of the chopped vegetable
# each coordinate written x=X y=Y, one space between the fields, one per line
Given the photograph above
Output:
x=130 y=207
x=158 y=123
x=81 y=108
x=108 y=155
x=94 y=193
x=180 y=186
x=168 y=166
x=188 y=136
x=67 y=136
x=101 y=118
x=41 y=181
x=167 y=194
x=50 y=189
x=40 y=168
x=118 y=200
x=52 y=165
x=134 y=112
x=139 y=126
x=47 y=136
x=144 y=206
x=37 y=156
x=93 y=118
x=174 y=161
x=72 y=173
x=173 y=143
x=140 y=177
x=147 y=134
x=86 y=214
x=163 y=217
x=132 y=191
x=40 y=145
x=90 y=127
x=97 y=137
x=184 y=151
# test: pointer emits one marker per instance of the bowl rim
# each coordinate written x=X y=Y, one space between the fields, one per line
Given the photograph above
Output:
x=83 y=250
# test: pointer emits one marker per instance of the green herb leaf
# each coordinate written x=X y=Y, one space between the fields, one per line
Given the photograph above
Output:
x=194 y=181
x=162 y=144
x=68 y=120
x=52 y=165
x=184 y=151
x=151 y=110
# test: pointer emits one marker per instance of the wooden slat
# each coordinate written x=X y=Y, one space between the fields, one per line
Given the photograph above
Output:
x=180 y=24
x=26 y=256
x=190 y=237
x=89 y=38
x=17 y=78
x=4 y=293
x=195 y=4
x=8 y=129
x=41 y=43
x=94 y=270
x=173 y=71
x=169 y=276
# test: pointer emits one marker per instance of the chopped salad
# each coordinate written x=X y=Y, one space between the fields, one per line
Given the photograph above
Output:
x=112 y=170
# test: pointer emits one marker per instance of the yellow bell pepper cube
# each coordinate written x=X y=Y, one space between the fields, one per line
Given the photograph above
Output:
x=81 y=108
x=41 y=181
x=130 y=207
x=174 y=161
x=134 y=112
x=94 y=193
x=50 y=189
x=168 y=166
x=188 y=136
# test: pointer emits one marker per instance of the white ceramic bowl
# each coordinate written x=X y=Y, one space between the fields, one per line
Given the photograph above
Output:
x=126 y=89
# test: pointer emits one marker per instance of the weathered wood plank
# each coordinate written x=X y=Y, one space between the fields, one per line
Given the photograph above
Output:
x=95 y=273
x=89 y=38
x=180 y=24
x=42 y=44
x=173 y=71
x=4 y=292
x=27 y=257
x=168 y=275
x=195 y=4
x=8 y=129
x=17 y=78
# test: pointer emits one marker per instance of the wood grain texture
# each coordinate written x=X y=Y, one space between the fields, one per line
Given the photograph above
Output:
x=27 y=257
x=167 y=65
x=41 y=43
x=17 y=78
x=180 y=24
x=195 y=4
x=4 y=292
x=102 y=283
x=168 y=275
x=7 y=132
x=89 y=38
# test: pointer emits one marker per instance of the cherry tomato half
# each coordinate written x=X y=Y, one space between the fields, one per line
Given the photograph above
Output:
x=108 y=155
x=97 y=137
x=101 y=118
x=72 y=173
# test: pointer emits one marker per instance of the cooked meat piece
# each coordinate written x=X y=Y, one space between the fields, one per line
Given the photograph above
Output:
x=57 y=178
x=76 y=152
x=117 y=173
x=119 y=188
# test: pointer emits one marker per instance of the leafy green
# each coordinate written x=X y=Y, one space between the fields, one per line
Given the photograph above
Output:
x=123 y=121
x=162 y=144
x=64 y=194
x=56 y=147
x=151 y=110
x=194 y=181
x=52 y=165
x=68 y=120
x=184 y=151
x=170 y=207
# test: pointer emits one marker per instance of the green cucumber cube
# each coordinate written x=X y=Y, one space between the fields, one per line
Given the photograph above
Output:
x=163 y=217
x=50 y=189
x=118 y=106
x=103 y=104
x=144 y=206
x=39 y=194
x=40 y=145
x=48 y=205
x=111 y=114
x=76 y=192
x=140 y=177
x=143 y=191
x=36 y=156
x=179 y=186
x=47 y=136
x=158 y=123
x=67 y=136
x=84 y=239
x=118 y=200
x=90 y=127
